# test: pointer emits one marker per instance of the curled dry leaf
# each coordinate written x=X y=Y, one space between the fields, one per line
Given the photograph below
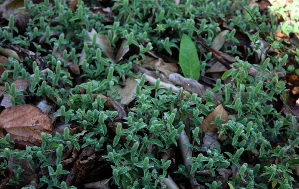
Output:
x=295 y=39
x=11 y=53
x=25 y=123
x=120 y=108
x=121 y=51
x=159 y=64
x=219 y=40
x=206 y=124
x=224 y=175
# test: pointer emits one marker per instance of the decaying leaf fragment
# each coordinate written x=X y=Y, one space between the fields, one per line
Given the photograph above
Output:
x=25 y=123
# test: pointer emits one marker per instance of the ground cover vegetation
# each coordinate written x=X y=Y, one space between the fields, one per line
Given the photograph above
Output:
x=149 y=94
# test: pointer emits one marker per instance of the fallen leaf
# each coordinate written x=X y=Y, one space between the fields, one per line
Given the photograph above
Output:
x=121 y=51
x=25 y=123
x=206 y=124
x=219 y=40
x=126 y=93
x=11 y=53
x=104 y=42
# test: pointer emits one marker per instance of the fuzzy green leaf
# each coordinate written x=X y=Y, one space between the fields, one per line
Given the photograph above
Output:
x=188 y=58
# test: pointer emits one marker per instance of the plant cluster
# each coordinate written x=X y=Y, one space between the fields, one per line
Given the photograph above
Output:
x=154 y=124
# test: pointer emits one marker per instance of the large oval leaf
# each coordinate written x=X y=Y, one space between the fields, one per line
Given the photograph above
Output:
x=188 y=58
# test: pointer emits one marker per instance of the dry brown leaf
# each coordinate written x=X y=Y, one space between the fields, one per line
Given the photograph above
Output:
x=25 y=123
x=74 y=68
x=122 y=51
x=3 y=6
x=219 y=40
x=60 y=130
x=126 y=93
x=159 y=64
x=11 y=53
x=206 y=124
